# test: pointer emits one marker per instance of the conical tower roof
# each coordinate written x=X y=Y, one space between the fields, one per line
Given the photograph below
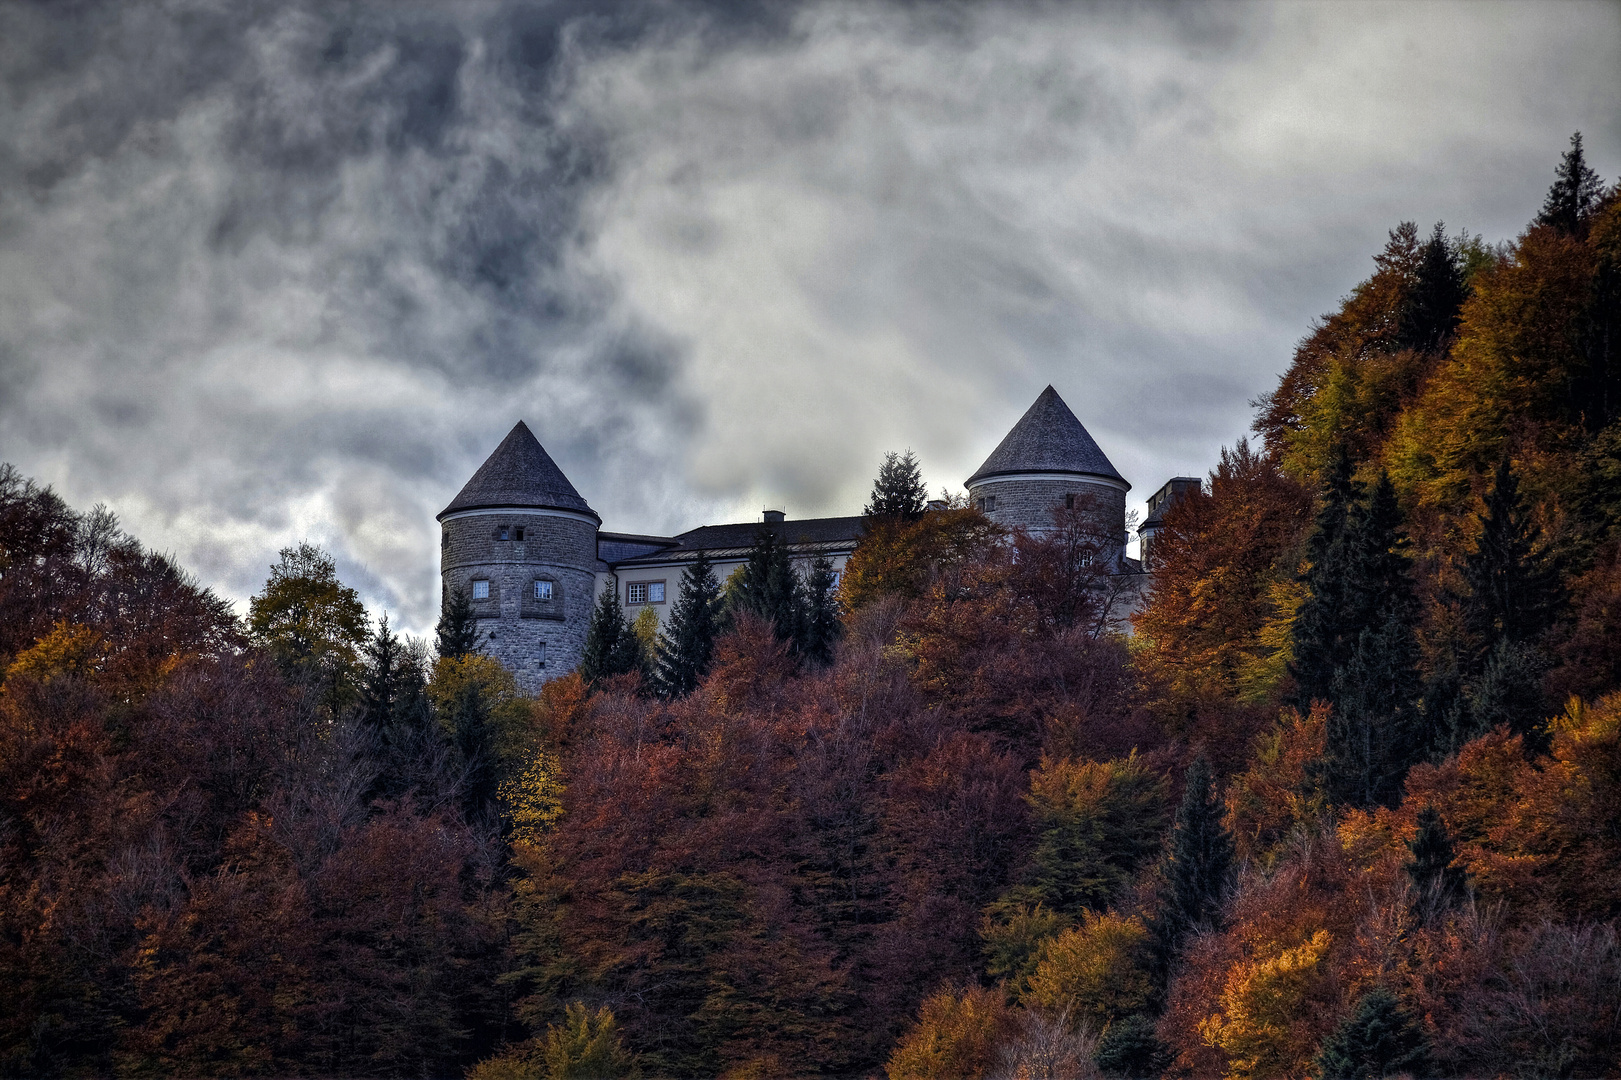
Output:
x=1047 y=439
x=520 y=474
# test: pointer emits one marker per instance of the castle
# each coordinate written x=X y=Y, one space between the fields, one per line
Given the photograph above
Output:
x=533 y=557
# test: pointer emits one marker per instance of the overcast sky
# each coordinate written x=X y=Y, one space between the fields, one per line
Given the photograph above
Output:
x=291 y=271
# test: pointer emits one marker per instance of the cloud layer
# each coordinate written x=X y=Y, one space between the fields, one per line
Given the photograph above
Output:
x=283 y=272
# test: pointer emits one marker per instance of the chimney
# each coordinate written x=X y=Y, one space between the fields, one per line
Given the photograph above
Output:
x=774 y=517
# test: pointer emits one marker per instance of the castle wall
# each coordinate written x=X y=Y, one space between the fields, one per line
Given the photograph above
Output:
x=1027 y=501
x=537 y=638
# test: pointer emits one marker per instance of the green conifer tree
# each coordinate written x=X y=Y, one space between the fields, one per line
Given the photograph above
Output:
x=1377 y=1040
x=1319 y=630
x=822 y=626
x=457 y=630
x=611 y=645
x=1376 y=731
x=1430 y=314
x=1514 y=593
x=1197 y=869
x=771 y=589
x=379 y=679
x=1131 y=1047
x=687 y=643
x=1438 y=884
x=474 y=738
x=898 y=493
x=1575 y=192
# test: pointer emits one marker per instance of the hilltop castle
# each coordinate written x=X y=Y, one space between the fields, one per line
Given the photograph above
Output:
x=533 y=557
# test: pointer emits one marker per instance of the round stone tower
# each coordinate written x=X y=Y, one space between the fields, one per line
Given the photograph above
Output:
x=522 y=544
x=1048 y=461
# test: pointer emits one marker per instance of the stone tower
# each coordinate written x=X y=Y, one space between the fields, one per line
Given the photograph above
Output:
x=523 y=544
x=1049 y=460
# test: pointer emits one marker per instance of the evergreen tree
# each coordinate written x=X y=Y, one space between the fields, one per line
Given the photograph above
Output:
x=1509 y=694
x=379 y=679
x=1317 y=636
x=1514 y=593
x=1378 y=1039
x=457 y=630
x=1197 y=869
x=898 y=493
x=771 y=589
x=1438 y=883
x=687 y=644
x=822 y=627
x=401 y=734
x=1575 y=192
x=1430 y=314
x=1131 y=1047
x=474 y=739
x=611 y=645
x=1376 y=731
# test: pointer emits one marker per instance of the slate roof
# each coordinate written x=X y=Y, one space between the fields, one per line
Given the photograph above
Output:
x=1047 y=438
x=807 y=536
x=520 y=474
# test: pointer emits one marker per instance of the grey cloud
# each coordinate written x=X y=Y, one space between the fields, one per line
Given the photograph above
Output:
x=270 y=271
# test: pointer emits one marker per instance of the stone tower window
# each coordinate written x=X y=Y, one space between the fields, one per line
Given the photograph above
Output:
x=520 y=534
x=506 y=533
x=543 y=590
x=1069 y=501
x=481 y=590
x=540 y=660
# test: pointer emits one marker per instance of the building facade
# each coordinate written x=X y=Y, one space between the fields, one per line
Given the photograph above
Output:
x=533 y=557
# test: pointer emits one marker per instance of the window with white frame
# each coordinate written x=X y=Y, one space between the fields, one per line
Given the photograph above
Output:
x=481 y=590
x=543 y=590
x=644 y=592
x=655 y=592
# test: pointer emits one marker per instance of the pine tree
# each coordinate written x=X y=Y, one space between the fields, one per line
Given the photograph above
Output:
x=1131 y=1047
x=474 y=739
x=771 y=589
x=1430 y=314
x=1378 y=1039
x=687 y=644
x=1317 y=636
x=1196 y=872
x=1514 y=593
x=898 y=493
x=1439 y=884
x=379 y=679
x=457 y=630
x=1575 y=192
x=822 y=627
x=1376 y=731
x=611 y=645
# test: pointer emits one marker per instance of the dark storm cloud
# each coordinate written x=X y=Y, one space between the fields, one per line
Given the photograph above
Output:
x=275 y=271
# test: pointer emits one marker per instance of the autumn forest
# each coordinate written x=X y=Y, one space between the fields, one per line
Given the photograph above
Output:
x=1341 y=799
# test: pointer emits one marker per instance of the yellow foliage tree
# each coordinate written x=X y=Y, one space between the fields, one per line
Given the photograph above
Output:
x=956 y=1037
x=1096 y=972
x=68 y=650
x=533 y=798
x=1262 y=1005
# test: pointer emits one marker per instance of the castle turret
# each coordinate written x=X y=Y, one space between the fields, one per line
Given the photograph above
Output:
x=522 y=543
x=1049 y=460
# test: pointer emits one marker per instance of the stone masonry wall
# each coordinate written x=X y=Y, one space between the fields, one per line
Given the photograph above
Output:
x=513 y=626
x=1024 y=502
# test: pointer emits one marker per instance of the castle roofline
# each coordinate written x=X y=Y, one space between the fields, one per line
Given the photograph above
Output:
x=519 y=475
x=1048 y=439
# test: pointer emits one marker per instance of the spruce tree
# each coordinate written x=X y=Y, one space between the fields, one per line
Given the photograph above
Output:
x=1317 y=635
x=379 y=679
x=1514 y=593
x=1196 y=872
x=898 y=493
x=1430 y=314
x=1439 y=885
x=457 y=630
x=771 y=589
x=1575 y=192
x=822 y=627
x=687 y=644
x=1377 y=1040
x=611 y=645
x=1376 y=731
x=1131 y=1047
x=474 y=740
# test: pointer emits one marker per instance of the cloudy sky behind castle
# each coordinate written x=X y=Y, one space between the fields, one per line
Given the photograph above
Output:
x=279 y=271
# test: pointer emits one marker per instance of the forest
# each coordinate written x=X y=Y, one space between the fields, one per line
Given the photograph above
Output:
x=1342 y=800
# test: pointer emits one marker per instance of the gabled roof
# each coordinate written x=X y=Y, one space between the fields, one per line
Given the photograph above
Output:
x=519 y=474
x=805 y=536
x=1047 y=438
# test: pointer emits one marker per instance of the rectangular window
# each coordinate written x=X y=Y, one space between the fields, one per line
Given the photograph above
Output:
x=636 y=592
x=1069 y=502
x=655 y=592
x=506 y=534
x=520 y=535
x=542 y=657
x=990 y=503
x=481 y=590
x=543 y=590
